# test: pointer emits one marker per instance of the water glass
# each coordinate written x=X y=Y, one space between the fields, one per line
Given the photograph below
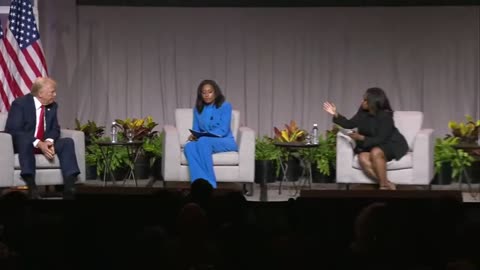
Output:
x=129 y=134
x=308 y=139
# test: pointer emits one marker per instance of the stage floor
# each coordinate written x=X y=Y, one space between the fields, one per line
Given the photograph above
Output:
x=271 y=192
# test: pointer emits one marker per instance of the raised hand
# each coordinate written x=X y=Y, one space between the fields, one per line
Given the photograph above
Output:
x=330 y=108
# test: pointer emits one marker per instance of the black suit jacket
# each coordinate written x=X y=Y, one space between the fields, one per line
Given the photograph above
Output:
x=21 y=120
x=378 y=129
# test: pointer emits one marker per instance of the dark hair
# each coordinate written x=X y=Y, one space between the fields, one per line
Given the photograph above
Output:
x=219 y=97
x=377 y=100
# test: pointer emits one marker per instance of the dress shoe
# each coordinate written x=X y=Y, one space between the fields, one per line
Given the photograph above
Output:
x=69 y=187
x=33 y=193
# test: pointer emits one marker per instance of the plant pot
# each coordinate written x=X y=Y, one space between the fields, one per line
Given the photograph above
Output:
x=468 y=141
x=91 y=172
x=156 y=169
x=474 y=171
x=294 y=170
x=265 y=171
x=119 y=174
x=444 y=177
x=142 y=167
x=318 y=177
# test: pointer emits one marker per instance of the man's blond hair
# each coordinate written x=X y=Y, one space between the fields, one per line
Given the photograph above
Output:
x=41 y=82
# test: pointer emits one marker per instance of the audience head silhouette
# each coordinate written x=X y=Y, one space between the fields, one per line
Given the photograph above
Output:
x=201 y=191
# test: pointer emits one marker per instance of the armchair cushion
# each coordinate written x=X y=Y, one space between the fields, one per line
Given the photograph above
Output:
x=406 y=162
x=219 y=159
x=41 y=161
x=409 y=124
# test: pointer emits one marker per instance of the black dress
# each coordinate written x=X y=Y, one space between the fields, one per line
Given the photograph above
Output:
x=379 y=130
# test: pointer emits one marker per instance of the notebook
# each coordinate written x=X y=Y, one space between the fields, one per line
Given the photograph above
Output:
x=199 y=134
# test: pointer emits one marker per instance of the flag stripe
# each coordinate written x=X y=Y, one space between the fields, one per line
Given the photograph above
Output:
x=30 y=73
x=12 y=83
x=31 y=63
x=38 y=49
x=14 y=58
x=6 y=88
x=5 y=100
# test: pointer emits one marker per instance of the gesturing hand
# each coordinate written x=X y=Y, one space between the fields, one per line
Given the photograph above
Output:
x=330 y=108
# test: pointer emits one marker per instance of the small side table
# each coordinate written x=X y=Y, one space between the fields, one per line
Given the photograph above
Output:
x=307 y=170
x=108 y=148
x=474 y=151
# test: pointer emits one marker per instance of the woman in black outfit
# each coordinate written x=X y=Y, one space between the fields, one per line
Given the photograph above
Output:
x=377 y=140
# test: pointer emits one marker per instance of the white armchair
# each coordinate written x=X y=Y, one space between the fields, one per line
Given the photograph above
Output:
x=48 y=172
x=415 y=168
x=228 y=166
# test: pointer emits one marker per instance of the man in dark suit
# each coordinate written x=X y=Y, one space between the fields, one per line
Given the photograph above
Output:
x=32 y=122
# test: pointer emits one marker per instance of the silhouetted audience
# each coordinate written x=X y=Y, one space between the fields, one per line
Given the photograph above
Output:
x=201 y=193
x=193 y=247
x=207 y=230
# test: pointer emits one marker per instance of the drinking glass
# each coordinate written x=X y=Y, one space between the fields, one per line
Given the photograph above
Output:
x=308 y=139
x=129 y=134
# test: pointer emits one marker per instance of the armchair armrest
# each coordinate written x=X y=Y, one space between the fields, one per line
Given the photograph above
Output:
x=246 y=153
x=171 y=156
x=344 y=159
x=423 y=167
x=6 y=160
x=78 y=138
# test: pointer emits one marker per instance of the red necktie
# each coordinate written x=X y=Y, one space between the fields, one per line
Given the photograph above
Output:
x=41 y=124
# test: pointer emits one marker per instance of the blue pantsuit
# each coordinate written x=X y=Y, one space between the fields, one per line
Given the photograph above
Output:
x=199 y=153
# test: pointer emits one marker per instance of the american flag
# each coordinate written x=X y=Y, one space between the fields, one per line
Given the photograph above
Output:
x=22 y=59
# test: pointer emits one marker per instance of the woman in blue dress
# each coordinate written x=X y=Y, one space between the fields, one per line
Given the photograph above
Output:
x=211 y=114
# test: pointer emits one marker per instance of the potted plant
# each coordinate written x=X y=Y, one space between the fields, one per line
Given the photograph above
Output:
x=91 y=130
x=267 y=160
x=467 y=131
x=152 y=146
x=450 y=162
x=325 y=161
x=291 y=134
x=92 y=133
x=141 y=128
x=322 y=158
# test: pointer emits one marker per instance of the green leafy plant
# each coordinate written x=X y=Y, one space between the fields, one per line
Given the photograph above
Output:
x=90 y=129
x=142 y=128
x=266 y=150
x=445 y=152
x=329 y=151
x=118 y=159
x=324 y=155
x=466 y=131
x=152 y=146
x=291 y=133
